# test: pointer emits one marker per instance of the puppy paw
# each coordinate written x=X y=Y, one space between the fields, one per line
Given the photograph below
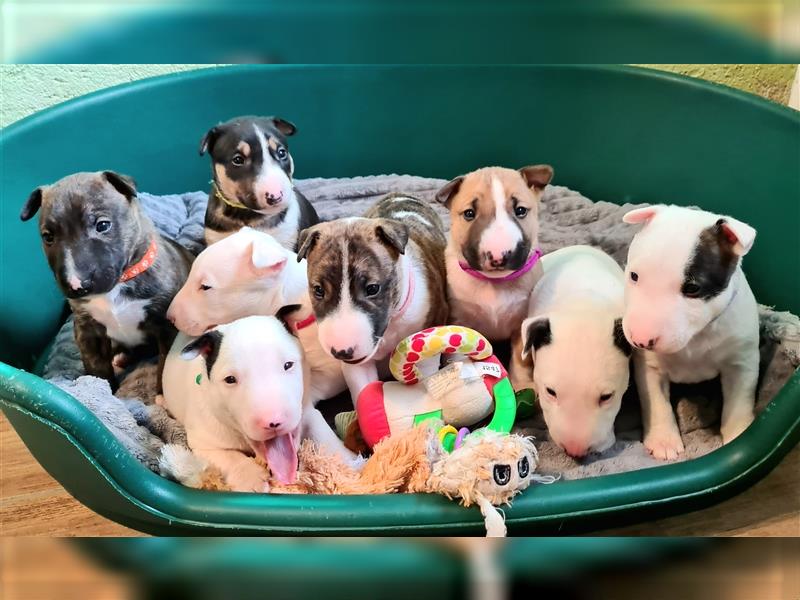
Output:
x=159 y=400
x=664 y=443
x=250 y=477
x=120 y=362
x=732 y=429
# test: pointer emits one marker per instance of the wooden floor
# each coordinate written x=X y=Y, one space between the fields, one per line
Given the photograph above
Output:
x=33 y=503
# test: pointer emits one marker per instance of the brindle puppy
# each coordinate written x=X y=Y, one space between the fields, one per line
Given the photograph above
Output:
x=117 y=273
x=252 y=181
x=375 y=280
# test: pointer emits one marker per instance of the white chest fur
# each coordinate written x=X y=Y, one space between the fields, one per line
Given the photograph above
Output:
x=121 y=316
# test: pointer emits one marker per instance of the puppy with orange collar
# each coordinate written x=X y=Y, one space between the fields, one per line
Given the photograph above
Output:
x=492 y=253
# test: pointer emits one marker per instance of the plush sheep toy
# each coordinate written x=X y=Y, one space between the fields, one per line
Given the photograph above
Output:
x=472 y=386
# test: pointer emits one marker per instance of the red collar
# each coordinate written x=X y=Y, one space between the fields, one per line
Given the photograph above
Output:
x=298 y=325
x=145 y=263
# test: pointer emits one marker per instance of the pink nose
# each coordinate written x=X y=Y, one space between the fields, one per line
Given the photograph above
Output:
x=575 y=449
x=270 y=422
x=645 y=343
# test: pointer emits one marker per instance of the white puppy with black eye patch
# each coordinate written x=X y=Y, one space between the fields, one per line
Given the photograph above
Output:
x=239 y=390
x=689 y=307
x=581 y=359
x=249 y=273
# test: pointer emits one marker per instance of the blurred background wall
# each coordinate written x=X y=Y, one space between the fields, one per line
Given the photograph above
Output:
x=25 y=89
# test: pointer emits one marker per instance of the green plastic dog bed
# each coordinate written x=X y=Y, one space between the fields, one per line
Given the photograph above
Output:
x=616 y=133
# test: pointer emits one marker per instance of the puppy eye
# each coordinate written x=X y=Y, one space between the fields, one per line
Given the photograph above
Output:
x=287 y=365
x=690 y=290
x=102 y=226
x=523 y=467
x=551 y=391
x=606 y=397
x=372 y=289
x=237 y=160
x=634 y=276
x=48 y=238
x=520 y=211
x=204 y=287
x=468 y=214
x=319 y=293
x=281 y=153
x=230 y=380
x=502 y=474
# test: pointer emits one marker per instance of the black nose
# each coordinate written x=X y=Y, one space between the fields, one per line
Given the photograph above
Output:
x=342 y=354
x=273 y=200
x=81 y=291
x=274 y=425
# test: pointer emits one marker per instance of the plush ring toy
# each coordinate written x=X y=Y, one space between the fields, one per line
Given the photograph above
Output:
x=472 y=386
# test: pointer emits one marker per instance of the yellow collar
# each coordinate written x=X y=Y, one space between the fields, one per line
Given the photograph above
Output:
x=222 y=197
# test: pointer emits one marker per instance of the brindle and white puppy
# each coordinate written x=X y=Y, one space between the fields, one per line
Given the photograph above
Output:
x=375 y=280
x=252 y=181
x=493 y=249
x=95 y=235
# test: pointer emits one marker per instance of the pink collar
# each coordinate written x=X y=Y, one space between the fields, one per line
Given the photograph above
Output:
x=303 y=323
x=409 y=294
x=529 y=264
x=145 y=263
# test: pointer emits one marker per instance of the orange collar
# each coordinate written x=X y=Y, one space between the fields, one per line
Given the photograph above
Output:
x=140 y=267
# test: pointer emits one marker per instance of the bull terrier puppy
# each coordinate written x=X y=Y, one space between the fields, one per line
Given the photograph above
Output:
x=580 y=357
x=373 y=281
x=689 y=307
x=239 y=390
x=252 y=180
x=117 y=273
x=250 y=273
x=493 y=253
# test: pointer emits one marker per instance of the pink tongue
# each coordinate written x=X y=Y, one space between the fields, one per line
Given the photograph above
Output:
x=282 y=458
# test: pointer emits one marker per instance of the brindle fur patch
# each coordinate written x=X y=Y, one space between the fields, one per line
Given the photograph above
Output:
x=712 y=264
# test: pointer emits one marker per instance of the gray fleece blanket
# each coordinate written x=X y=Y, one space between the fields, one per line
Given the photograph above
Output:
x=566 y=218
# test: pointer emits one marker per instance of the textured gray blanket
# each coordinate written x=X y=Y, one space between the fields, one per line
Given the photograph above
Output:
x=566 y=217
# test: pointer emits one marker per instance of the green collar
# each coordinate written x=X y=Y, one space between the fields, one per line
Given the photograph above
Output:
x=218 y=193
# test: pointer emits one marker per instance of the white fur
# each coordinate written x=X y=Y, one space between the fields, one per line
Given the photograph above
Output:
x=73 y=279
x=696 y=339
x=271 y=178
x=502 y=235
x=581 y=293
x=252 y=274
x=120 y=316
x=226 y=423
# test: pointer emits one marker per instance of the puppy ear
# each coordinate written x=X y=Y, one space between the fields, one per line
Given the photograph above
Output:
x=392 y=233
x=32 y=204
x=535 y=334
x=122 y=183
x=283 y=316
x=537 y=176
x=306 y=240
x=209 y=139
x=266 y=259
x=207 y=346
x=739 y=235
x=641 y=215
x=620 y=341
x=450 y=189
x=284 y=126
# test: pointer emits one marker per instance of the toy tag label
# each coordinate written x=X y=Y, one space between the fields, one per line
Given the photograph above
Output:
x=487 y=368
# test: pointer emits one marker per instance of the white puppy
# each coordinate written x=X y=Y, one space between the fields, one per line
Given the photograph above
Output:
x=250 y=273
x=239 y=391
x=581 y=359
x=688 y=303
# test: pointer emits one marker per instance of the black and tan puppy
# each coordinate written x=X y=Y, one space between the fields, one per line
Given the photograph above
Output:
x=375 y=280
x=252 y=181
x=118 y=274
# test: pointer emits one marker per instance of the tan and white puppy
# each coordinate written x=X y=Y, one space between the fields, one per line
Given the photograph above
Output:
x=240 y=391
x=374 y=280
x=493 y=249
x=249 y=273
x=688 y=306
x=580 y=357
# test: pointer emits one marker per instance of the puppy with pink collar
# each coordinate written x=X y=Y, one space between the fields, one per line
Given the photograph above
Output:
x=492 y=255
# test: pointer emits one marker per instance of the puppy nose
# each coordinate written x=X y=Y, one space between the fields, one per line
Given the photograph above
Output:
x=342 y=354
x=273 y=200
x=575 y=450
x=274 y=425
x=646 y=344
x=81 y=291
x=498 y=262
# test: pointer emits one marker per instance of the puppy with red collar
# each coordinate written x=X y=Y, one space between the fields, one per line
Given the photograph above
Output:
x=492 y=253
x=375 y=280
